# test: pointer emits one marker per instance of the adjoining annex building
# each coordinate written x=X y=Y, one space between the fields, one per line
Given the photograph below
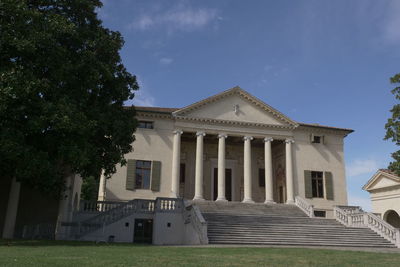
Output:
x=384 y=189
x=229 y=169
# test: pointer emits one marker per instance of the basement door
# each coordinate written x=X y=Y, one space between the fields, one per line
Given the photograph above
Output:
x=228 y=184
x=143 y=231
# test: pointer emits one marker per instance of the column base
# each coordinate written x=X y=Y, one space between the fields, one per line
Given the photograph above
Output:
x=198 y=198
x=248 y=201
x=269 y=202
x=220 y=199
x=173 y=195
x=289 y=201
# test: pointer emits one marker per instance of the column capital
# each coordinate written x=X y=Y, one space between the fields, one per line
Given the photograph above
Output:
x=201 y=133
x=287 y=141
x=248 y=138
x=178 y=132
x=222 y=135
x=268 y=139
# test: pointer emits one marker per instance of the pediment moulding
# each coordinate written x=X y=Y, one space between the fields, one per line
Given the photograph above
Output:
x=281 y=122
x=231 y=92
x=382 y=180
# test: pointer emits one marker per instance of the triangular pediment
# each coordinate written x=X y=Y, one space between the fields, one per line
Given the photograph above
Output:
x=235 y=105
x=382 y=179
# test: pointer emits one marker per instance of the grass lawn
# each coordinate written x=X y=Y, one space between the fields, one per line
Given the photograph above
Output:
x=59 y=253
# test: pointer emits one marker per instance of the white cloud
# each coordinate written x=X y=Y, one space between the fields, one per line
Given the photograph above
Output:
x=391 y=25
x=166 y=61
x=178 y=18
x=362 y=166
x=144 y=22
x=363 y=202
x=143 y=96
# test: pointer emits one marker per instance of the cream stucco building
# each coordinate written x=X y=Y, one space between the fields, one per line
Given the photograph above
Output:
x=231 y=147
x=384 y=189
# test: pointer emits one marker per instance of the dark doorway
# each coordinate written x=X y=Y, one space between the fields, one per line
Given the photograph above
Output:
x=228 y=184
x=281 y=194
x=143 y=231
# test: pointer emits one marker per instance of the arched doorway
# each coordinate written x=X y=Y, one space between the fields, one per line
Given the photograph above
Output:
x=392 y=217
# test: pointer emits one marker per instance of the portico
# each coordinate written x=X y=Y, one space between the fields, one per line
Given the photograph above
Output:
x=240 y=149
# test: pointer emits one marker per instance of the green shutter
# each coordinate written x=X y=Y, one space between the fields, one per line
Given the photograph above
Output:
x=155 y=175
x=307 y=184
x=329 y=185
x=130 y=174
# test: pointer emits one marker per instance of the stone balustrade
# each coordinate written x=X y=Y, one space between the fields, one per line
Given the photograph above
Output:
x=98 y=206
x=306 y=207
x=109 y=212
x=194 y=217
x=355 y=217
x=169 y=205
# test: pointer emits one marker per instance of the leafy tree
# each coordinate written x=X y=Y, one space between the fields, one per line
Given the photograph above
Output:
x=62 y=89
x=393 y=126
x=90 y=188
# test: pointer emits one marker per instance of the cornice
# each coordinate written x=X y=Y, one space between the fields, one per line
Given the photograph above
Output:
x=236 y=123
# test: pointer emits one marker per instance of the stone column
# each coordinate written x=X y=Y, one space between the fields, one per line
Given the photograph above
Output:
x=102 y=188
x=289 y=172
x=12 y=209
x=221 y=167
x=269 y=191
x=247 y=170
x=198 y=195
x=176 y=160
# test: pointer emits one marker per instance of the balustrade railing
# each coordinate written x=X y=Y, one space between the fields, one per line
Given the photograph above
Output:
x=194 y=217
x=169 y=205
x=114 y=211
x=353 y=217
x=306 y=207
x=98 y=206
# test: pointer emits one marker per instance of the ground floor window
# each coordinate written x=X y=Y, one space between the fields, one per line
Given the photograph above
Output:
x=319 y=213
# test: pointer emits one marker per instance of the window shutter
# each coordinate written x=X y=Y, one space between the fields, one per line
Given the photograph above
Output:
x=311 y=138
x=130 y=174
x=329 y=185
x=307 y=184
x=155 y=175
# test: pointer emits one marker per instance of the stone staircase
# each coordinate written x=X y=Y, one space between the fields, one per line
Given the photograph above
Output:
x=280 y=224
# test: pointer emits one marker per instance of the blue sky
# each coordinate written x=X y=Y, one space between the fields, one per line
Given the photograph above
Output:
x=326 y=62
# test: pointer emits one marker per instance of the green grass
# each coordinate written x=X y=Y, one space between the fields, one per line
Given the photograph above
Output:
x=58 y=253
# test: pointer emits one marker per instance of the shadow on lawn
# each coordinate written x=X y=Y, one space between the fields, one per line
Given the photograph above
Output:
x=46 y=243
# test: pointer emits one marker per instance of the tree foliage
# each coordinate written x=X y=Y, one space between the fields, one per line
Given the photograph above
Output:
x=393 y=126
x=62 y=89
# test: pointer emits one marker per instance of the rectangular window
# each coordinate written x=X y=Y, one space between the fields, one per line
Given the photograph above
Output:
x=317 y=184
x=143 y=170
x=261 y=177
x=319 y=213
x=182 y=173
x=316 y=139
x=146 y=125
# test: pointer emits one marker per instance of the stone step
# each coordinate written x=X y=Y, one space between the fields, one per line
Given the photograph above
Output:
x=298 y=235
x=280 y=224
x=287 y=230
x=301 y=243
x=280 y=221
x=274 y=225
